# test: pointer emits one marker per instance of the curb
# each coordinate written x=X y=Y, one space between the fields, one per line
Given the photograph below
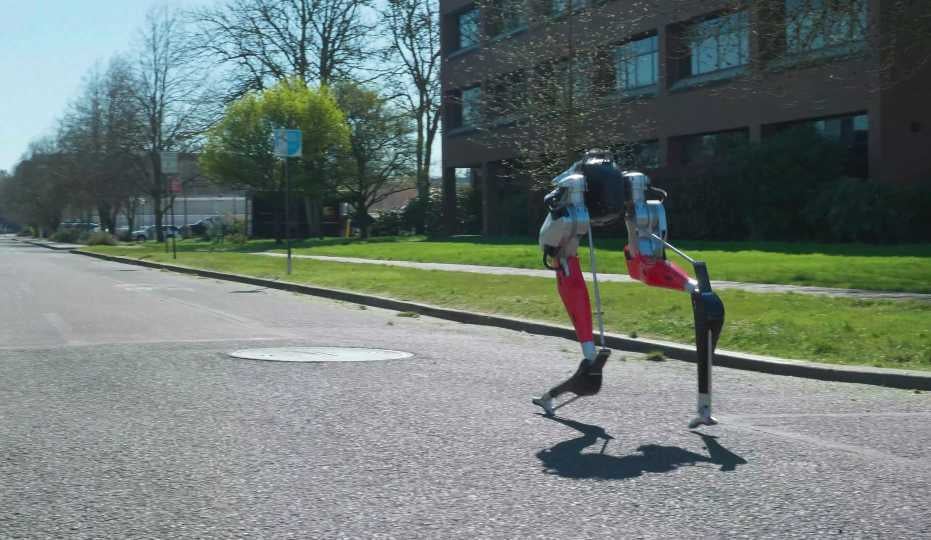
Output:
x=63 y=247
x=909 y=380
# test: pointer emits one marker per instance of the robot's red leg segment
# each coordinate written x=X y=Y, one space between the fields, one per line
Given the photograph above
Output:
x=574 y=296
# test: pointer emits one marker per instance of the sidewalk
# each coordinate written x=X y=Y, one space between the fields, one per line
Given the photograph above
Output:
x=857 y=294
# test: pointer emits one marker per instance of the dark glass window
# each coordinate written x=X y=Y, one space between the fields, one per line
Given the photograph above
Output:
x=471 y=106
x=505 y=16
x=506 y=97
x=719 y=43
x=816 y=24
x=640 y=155
x=710 y=146
x=562 y=7
x=467 y=24
x=462 y=108
x=637 y=63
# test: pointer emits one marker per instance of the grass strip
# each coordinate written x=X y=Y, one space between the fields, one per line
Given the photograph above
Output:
x=881 y=268
x=835 y=330
x=898 y=268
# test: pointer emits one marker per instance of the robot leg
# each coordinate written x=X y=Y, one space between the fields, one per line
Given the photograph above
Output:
x=709 y=319
x=574 y=296
x=586 y=381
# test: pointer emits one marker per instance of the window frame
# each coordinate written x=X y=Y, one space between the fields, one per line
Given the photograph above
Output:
x=459 y=34
x=635 y=58
x=795 y=20
x=702 y=31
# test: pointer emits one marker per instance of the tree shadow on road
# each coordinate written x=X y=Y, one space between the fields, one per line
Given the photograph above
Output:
x=567 y=459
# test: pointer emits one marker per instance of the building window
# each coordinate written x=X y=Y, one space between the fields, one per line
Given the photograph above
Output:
x=637 y=64
x=505 y=98
x=852 y=132
x=506 y=17
x=467 y=29
x=710 y=146
x=640 y=155
x=471 y=106
x=564 y=7
x=580 y=75
x=719 y=43
x=463 y=108
x=817 y=24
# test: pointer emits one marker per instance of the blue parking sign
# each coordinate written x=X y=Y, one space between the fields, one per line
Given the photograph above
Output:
x=287 y=142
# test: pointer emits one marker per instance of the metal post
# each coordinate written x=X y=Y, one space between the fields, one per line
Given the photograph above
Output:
x=287 y=211
x=591 y=257
x=161 y=233
x=174 y=247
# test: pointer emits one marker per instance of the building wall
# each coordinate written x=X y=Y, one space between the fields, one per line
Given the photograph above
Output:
x=899 y=115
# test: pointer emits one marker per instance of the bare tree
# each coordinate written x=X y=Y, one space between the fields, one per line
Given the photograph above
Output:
x=413 y=32
x=266 y=41
x=175 y=96
x=554 y=89
x=37 y=192
x=100 y=136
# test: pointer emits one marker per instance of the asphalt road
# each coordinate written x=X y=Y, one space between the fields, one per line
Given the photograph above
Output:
x=122 y=417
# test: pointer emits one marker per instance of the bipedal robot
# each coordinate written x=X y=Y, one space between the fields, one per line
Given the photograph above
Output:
x=593 y=191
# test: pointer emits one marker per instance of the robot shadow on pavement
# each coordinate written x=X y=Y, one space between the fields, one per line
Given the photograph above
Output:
x=595 y=192
x=569 y=459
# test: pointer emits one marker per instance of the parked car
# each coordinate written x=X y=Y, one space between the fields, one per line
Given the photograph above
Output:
x=79 y=226
x=149 y=233
x=201 y=227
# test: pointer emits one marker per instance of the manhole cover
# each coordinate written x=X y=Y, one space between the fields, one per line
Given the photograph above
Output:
x=320 y=354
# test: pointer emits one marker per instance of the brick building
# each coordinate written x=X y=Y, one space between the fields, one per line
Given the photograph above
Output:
x=700 y=72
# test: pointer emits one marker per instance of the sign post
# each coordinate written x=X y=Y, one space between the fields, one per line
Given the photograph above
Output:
x=174 y=183
x=169 y=163
x=287 y=144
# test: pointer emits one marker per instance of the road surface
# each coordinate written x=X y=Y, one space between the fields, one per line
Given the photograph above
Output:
x=121 y=416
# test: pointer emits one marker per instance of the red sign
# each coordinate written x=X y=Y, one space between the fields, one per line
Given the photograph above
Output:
x=175 y=184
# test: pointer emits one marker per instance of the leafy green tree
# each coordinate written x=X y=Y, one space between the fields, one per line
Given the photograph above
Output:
x=381 y=160
x=239 y=149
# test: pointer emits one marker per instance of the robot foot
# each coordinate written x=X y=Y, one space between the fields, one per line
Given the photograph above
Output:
x=586 y=381
x=546 y=402
x=702 y=421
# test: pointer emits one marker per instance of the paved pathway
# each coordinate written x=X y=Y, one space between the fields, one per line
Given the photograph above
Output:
x=623 y=278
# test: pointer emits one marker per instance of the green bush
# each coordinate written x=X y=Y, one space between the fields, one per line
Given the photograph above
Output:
x=66 y=236
x=759 y=191
x=101 y=238
x=390 y=223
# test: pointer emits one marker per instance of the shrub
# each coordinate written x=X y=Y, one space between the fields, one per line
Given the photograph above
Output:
x=99 y=238
x=390 y=223
x=66 y=236
x=758 y=191
x=235 y=231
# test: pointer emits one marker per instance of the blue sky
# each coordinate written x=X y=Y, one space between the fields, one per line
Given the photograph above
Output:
x=46 y=47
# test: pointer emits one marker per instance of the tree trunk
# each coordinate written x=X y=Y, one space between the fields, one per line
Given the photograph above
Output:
x=313 y=208
x=105 y=212
x=157 y=209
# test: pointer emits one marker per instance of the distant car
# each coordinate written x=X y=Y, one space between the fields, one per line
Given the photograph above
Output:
x=79 y=226
x=201 y=227
x=149 y=233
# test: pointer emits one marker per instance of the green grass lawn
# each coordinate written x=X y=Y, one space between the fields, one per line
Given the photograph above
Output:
x=858 y=266
x=880 y=333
